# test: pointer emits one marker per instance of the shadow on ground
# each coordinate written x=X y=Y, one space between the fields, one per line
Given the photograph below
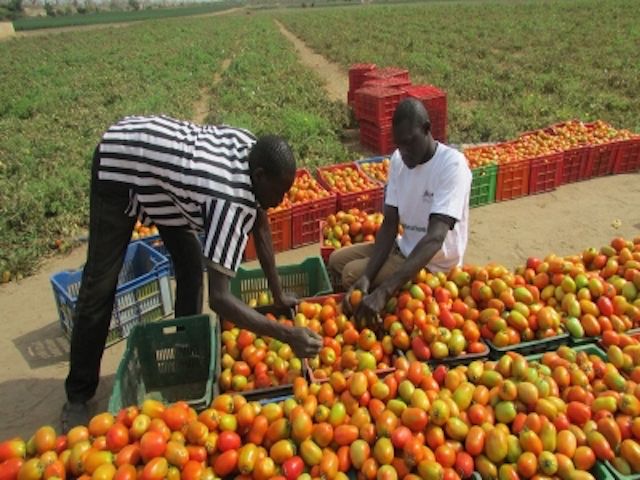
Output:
x=44 y=347
x=30 y=403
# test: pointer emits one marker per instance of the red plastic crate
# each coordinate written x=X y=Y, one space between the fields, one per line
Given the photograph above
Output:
x=628 y=158
x=370 y=199
x=357 y=73
x=377 y=104
x=545 y=173
x=388 y=72
x=378 y=139
x=435 y=101
x=513 y=180
x=305 y=217
x=602 y=159
x=280 y=223
x=393 y=82
x=574 y=164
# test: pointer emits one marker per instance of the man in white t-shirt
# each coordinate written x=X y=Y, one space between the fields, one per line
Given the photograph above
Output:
x=428 y=194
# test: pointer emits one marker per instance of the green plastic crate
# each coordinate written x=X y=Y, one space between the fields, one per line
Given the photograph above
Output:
x=306 y=279
x=483 y=185
x=529 y=348
x=169 y=360
x=589 y=348
x=616 y=475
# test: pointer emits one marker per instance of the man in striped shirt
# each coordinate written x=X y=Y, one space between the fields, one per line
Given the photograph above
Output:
x=185 y=178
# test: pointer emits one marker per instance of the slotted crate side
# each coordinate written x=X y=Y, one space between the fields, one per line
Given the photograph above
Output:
x=170 y=360
x=483 y=185
x=305 y=219
x=512 y=180
x=377 y=104
x=357 y=73
x=378 y=139
x=143 y=294
x=545 y=173
x=308 y=278
x=628 y=157
x=280 y=224
x=574 y=164
x=602 y=159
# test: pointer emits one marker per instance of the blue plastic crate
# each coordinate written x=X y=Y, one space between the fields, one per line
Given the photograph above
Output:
x=143 y=294
x=155 y=242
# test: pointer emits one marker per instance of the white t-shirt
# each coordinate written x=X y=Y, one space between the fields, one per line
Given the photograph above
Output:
x=442 y=185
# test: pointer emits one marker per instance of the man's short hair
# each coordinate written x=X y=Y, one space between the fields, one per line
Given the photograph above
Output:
x=412 y=110
x=274 y=155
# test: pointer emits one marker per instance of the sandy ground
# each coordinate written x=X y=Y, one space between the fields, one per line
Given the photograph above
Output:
x=34 y=351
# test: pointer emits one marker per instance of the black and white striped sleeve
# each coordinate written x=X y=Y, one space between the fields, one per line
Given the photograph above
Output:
x=226 y=231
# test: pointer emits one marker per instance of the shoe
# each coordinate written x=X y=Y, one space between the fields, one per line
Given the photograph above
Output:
x=74 y=414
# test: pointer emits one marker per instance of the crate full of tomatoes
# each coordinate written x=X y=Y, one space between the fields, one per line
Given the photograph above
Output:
x=310 y=203
x=354 y=188
x=347 y=228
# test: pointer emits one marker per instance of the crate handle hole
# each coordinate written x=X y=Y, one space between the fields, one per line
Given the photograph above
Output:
x=172 y=330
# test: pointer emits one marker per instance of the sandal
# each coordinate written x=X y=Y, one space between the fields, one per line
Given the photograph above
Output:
x=74 y=414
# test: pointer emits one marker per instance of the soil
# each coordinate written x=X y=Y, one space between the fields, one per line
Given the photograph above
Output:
x=34 y=350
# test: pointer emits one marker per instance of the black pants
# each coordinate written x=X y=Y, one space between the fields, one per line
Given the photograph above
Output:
x=109 y=235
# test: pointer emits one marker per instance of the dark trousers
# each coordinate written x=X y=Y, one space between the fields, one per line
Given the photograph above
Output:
x=109 y=235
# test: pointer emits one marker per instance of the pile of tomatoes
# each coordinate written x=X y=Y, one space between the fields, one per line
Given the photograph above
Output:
x=143 y=231
x=377 y=170
x=512 y=418
x=346 y=179
x=250 y=361
x=347 y=228
x=556 y=138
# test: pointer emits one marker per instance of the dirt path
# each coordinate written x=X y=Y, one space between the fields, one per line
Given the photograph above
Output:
x=201 y=108
x=72 y=28
x=336 y=81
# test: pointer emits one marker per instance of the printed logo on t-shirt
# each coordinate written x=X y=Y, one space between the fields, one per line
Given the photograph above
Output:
x=413 y=228
x=427 y=193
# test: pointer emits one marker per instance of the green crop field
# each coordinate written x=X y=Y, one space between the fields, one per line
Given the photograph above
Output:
x=36 y=23
x=67 y=88
x=507 y=67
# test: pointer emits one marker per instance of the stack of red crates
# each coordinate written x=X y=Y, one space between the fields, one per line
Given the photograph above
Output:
x=435 y=101
x=357 y=77
x=375 y=103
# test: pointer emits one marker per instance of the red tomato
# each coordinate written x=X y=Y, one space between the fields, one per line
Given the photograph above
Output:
x=228 y=441
x=126 y=472
x=193 y=470
x=156 y=469
x=9 y=468
x=152 y=445
x=400 y=436
x=226 y=463
x=293 y=468
x=117 y=437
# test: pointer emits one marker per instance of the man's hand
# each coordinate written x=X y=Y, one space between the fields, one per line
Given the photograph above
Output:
x=368 y=313
x=285 y=300
x=361 y=284
x=304 y=342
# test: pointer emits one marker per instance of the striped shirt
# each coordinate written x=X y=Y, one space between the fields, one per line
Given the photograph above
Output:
x=187 y=175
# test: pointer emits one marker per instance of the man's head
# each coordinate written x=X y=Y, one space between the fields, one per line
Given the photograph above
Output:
x=412 y=131
x=273 y=170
